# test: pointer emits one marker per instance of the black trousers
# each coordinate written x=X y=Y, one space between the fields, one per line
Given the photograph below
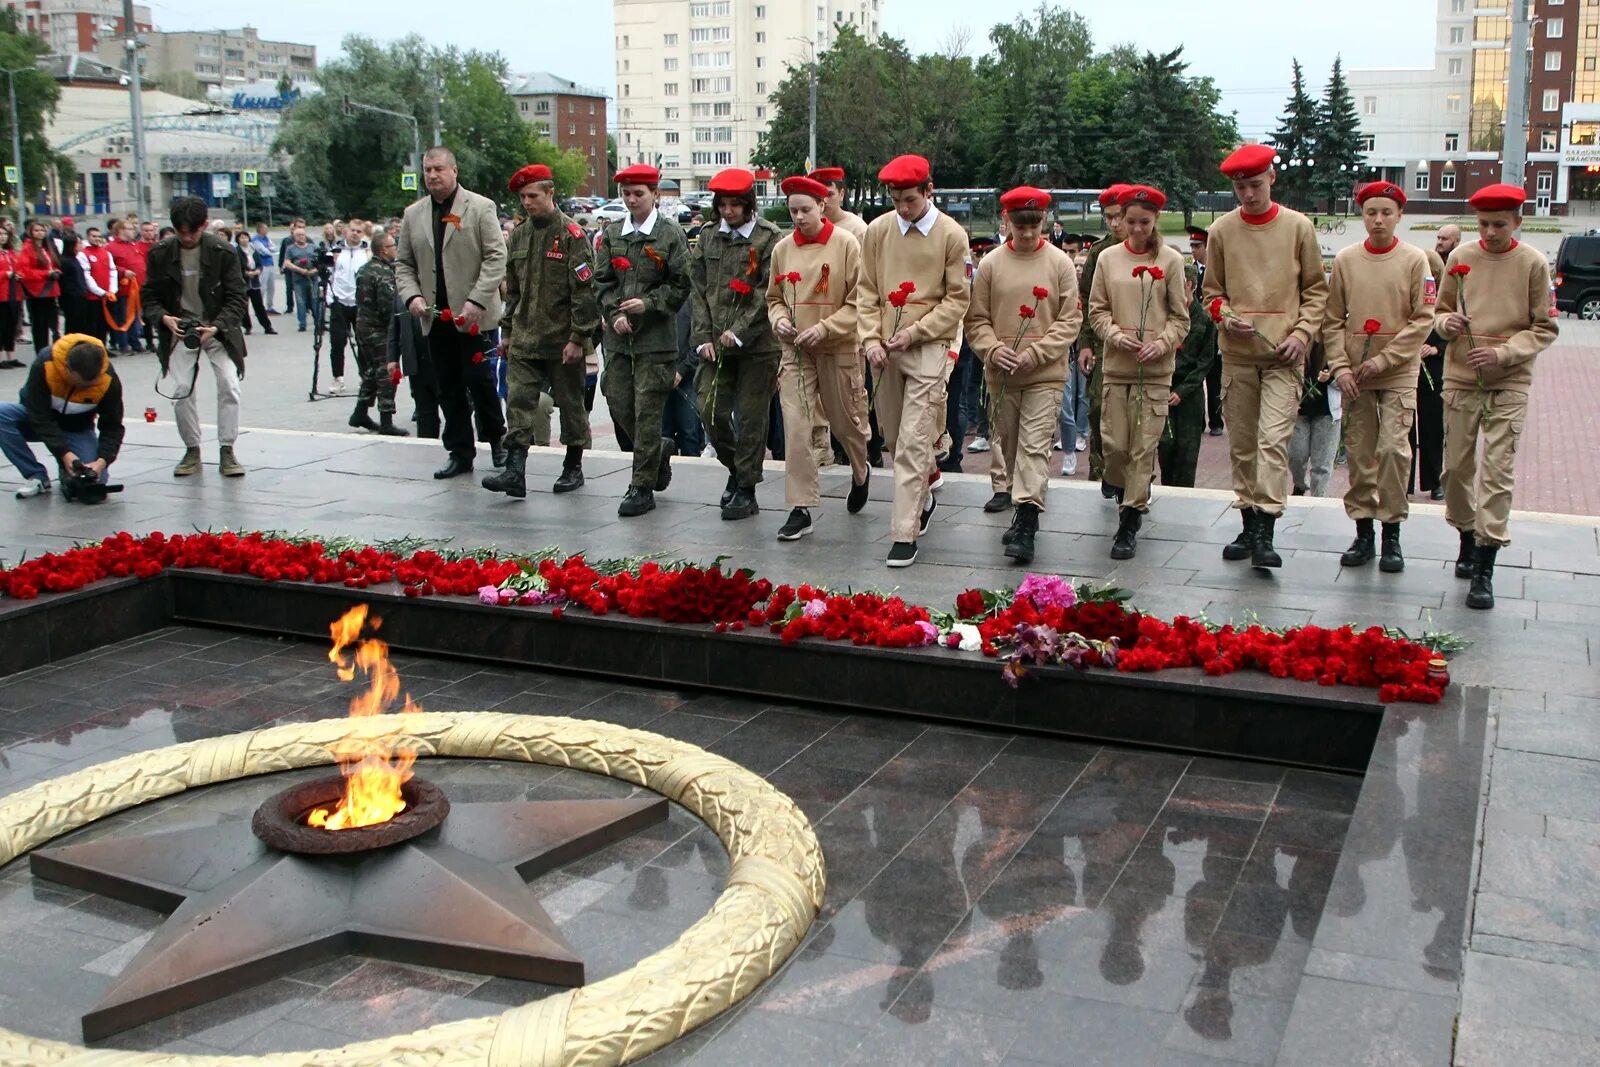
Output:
x=1427 y=430
x=9 y=311
x=341 y=324
x=456 y=377
x=1214 y=395
x=261 y=317
x=42 y=320
x=92 y=319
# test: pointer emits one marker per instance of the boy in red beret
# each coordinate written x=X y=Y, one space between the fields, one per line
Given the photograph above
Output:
x=1089 y=345
x=1494 y=310
x=833 y=210
x=911 y=299
x=1025 y=357
x=731 y=267
x=1265 y=285
x=1377 y=320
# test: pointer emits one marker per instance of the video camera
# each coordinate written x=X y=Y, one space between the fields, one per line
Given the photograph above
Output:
x=81 y=485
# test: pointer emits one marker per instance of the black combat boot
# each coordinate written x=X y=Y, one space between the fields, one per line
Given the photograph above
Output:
x=669 y=448
x=1393 y=561
x=1364 y=547
x=571 y=471
x=742 y=505
x=728 y=491
x=1011 y=532
x=512 y=480
x=387 y=427
x=636 y=502
x=1481 y=595
x=1126 y=543
x=1239 y=547
x=1023 y=534
x=361 y=417
x=1467 y=557
x=1262 y=554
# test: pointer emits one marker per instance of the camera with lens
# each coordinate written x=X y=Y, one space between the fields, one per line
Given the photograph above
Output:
x=81 y=485
x=189 y=330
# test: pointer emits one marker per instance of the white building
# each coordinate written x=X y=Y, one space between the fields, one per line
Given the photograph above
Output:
x=694 y=76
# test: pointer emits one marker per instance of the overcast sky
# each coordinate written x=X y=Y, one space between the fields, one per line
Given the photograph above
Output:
x=1249 y=62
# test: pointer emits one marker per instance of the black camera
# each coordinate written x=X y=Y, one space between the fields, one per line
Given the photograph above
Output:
x=81 y=485
x=189 y=330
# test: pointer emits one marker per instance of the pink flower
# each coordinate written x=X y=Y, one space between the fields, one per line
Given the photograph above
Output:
x=1047 y=590
x=488 y=594
x=815 y=609
x=930 y=632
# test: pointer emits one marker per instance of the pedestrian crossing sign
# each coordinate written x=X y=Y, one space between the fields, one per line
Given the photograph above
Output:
x=408 y=182
x=11 y=175
x=250 y=178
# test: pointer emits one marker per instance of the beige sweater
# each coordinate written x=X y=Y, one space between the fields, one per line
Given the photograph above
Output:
x=1508 y=299
x=1386 y=286
x=1269 y=273
x=835 y=306
x=935 y=264
x=1004 y=284
x=1115 y=300
x=851 y=223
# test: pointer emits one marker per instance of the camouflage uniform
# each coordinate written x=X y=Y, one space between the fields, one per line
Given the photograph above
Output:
x=1179 y=449
x=550 y=301
x=375 y=289
x=1088 y=339
x=742 y=381
x=639 y=372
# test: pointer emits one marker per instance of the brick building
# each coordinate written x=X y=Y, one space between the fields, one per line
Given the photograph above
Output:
x=569 y=116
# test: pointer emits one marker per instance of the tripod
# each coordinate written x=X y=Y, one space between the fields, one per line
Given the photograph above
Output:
x=319 y=318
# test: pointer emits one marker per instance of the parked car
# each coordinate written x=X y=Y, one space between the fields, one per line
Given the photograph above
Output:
x=611 y=211
x=1577 y=276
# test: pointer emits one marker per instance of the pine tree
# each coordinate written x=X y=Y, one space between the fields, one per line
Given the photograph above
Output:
x=1296 y=139
x=1338 y=144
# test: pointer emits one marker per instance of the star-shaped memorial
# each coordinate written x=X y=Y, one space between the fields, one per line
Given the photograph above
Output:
x=243 y=912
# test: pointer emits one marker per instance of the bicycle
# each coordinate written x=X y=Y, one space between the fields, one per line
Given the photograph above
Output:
x=1334 y=226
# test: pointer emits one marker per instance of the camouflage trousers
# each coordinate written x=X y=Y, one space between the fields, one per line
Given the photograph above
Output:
x=529 y=379
x=738 y=389
x=636 y=389
x=377 y=381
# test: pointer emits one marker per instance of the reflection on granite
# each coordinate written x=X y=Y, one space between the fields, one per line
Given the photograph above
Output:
x=991 y=899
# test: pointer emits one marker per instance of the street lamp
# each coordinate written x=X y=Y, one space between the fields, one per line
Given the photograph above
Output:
x=811 y=66
x=16 y=149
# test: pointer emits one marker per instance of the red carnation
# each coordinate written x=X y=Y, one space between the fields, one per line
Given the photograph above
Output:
x=1460 y=270
x=395 y=376
x=1215 y=309
x=1141 y=270
x=969 y=605
x=908 y=287
x=621 y=263
x=1157 y=274
x=446 y=315
x=793 y=277
x=1026 y=312
x=1041 y=293
x=472 y=331
x=897 y=299
x=740 y=286
x=1371 y=326
x=477 y=357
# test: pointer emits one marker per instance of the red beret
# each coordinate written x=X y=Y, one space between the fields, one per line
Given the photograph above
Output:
x=66 y=220
x=1149 y=196
x=735 y=181
x=533 y=172
x=804 y=185
x=1388 y=190
x=639 y=174
x=1249 y=160
x=904 y=172
x=1111 y=193
x=1498 y=198
x=1025 y=198
x=828 y=175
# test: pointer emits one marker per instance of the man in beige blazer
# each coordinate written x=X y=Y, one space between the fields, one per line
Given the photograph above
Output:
x=452 y=259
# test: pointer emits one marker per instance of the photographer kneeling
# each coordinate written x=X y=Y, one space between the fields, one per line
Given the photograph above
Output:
x=72 y=404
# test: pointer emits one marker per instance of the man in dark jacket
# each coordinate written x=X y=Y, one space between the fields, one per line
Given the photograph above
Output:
x=72 y=404
x=195 y=279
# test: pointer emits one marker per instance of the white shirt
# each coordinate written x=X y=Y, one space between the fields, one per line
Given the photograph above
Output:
x=342 y=287
x=923 y=224
x=647 y=229
x=743 y=231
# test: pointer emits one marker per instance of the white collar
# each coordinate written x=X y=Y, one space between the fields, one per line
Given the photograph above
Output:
x=743 y=231
x=923 y=224
x=647 y=229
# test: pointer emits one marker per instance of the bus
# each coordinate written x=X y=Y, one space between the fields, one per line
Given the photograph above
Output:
x=978 y=210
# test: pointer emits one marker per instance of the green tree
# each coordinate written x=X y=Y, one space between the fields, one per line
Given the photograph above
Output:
x=1179 y=138
x=1296 y=139
x=37 y=98
x=1339 y=152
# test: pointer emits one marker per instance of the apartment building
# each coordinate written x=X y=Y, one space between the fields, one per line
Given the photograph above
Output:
x=223 y=57
x=694 y=77
x=568 y=115
x=78 y=26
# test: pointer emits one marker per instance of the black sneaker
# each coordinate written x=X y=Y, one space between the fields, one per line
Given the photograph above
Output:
x=927 y=516
x=636 y=502
x=902 y=554
x=858 y=494
x=798 y=525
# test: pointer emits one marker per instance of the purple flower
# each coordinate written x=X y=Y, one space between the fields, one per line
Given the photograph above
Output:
x=815 y=608
x=930 y=632
x=488 y=594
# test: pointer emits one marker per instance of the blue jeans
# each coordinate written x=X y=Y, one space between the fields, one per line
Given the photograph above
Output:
x=300 y=286
x=16 y=430
x=1074 y=417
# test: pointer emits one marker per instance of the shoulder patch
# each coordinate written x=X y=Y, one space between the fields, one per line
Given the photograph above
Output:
x=575 y=230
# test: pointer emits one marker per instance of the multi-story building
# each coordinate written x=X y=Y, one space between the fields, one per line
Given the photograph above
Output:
x=222 y=57
x=569 y=116
x=694 y=77
x=78 y=26
x=1440 y=131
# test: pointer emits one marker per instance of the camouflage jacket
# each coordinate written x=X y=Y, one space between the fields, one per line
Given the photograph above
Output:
x=1198 y=353
x=1087 y=338
x=657 y=272
x=549 y=289
x=721 y=259
x=375 y=288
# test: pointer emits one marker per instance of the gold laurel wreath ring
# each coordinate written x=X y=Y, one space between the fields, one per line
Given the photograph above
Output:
x=774 y=890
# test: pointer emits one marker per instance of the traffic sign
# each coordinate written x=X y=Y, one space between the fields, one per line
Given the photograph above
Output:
x=250 y=178
x=11 y=175
x=408 y=181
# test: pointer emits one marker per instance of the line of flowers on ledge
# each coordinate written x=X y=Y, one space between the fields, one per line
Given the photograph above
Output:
x=1044 y=621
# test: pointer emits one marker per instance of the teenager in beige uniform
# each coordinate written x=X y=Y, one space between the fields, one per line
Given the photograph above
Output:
x=1025 y=377
x=1137 y=366
x=1380 y=280
x=1488 y=370
x=815 y=319
x=832 y=179
x=909 y=348
x=1264 y=264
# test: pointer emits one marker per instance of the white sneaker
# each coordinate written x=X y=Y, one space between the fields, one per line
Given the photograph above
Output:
x=709 y=452
x=338 y=387
x=1069 y=465
x=979 y=444
x=1055 y=446
x=32 y=488
x=1083 y=443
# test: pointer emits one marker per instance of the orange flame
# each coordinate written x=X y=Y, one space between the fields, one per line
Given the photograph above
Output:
x=374 y=770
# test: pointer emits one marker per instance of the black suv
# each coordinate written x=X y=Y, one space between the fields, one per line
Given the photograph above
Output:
x=1577 y=276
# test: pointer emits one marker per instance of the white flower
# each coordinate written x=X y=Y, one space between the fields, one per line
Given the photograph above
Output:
x=970 y=639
